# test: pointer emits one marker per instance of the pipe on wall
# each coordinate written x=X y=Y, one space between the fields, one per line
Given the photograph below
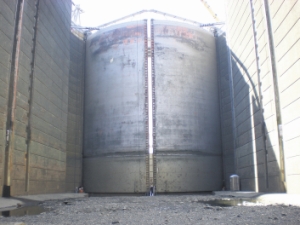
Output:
x=12 y=96
x=271 y=49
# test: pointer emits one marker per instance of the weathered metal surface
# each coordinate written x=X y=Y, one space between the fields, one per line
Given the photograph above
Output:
x=115 y=128
x=187 y=126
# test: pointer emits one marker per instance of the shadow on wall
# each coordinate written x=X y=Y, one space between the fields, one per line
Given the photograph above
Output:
x=225 y=108
x=257 y=155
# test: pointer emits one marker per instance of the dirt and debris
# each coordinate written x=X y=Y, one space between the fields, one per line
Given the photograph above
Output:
x=162 y=209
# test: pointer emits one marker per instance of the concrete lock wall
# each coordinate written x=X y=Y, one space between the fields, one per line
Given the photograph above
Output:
x=238 y=92
x=75 y=112
x=35 y=155
x=7 y=12
x=286 y=30
x=263 y=38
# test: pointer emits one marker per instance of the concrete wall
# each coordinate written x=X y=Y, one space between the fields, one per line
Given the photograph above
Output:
x=286 y=30
x=48 y=103
x=75 y=113
x=256 y=145
x=263 y=50
x=7 y=13
x=37 y=151
x=19 y=137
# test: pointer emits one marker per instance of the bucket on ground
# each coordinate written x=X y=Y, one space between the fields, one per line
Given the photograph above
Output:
x=234 y=183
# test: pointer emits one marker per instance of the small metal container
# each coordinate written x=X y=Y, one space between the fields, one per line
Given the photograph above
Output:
x=234 y=182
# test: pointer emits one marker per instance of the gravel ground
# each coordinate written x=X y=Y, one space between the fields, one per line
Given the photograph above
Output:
x=163 y=209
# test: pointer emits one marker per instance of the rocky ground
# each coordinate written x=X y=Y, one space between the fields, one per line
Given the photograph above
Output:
x=163 y=209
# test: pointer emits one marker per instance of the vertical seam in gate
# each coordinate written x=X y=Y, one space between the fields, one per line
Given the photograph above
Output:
x=150 y=128
x=146 y=101
x=154 y=169
x=83 y=103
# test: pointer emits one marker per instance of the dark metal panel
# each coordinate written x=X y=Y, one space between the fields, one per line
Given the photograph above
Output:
x=114 y=120
x=115 y=103
x=186 y=109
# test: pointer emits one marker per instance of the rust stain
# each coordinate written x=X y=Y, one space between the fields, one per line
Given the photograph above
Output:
x=177 y=31
x=129 y=41
x=114 y=38
x=182 y=34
